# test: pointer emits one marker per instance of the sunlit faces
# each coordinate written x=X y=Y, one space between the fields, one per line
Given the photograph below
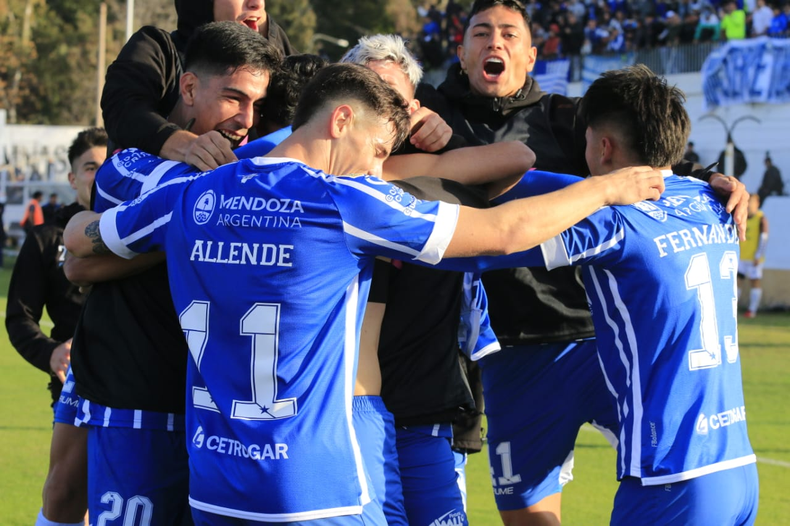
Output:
x=226 y=103
x=391 y=73
x=83 y=171
x=366 y=145
x=251 y=13
x=497 y=52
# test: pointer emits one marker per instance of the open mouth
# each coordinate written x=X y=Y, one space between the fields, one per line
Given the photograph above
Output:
x=252 y=23
x=234 y=139
x=493 y=67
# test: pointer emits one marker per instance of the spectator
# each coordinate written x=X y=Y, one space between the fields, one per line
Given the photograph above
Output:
x=50 y=208
x=576 y=7
x=616 y=42
x=778 y=25
x=733 y=23
x=689 y=27
x=670 y=36
x=597 y=36
x=690 y=154
x=708 y=27
x=761 y=19
x=772 y=182
x=553 y=45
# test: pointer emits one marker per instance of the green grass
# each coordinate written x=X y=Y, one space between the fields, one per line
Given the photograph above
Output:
x=25 y=429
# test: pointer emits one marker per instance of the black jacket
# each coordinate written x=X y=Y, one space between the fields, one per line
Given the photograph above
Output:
x=37 y=282
x=141 y=86
x=526 y=305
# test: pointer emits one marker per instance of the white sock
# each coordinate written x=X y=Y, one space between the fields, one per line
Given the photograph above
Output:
x=754 y=299
x=43 y=521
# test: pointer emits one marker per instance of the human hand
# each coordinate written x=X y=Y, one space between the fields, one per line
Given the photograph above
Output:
x=59 y=360
x=729 y=188
x=633 y=184
x=209 y=151
x=429 y=132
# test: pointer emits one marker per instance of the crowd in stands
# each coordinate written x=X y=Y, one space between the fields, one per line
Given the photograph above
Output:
x=566 y=28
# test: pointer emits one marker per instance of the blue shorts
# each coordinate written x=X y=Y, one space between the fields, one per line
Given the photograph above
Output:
x=725 y=497
x=430 y=482
x=536 y=399
x=68 y=403
x=137 y=476
x=371 y=516
x=375 y=429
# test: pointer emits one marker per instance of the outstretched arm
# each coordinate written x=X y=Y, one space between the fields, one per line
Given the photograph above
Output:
x=524 y=223
x=499 y=166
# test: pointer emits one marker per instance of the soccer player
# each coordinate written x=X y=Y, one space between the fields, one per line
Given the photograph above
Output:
x=753 y=254
x=37 y=282
x=661 y=282
x=270 y=260
x=129 y=353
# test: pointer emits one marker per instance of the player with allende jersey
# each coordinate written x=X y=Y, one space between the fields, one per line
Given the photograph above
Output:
x=274 y=414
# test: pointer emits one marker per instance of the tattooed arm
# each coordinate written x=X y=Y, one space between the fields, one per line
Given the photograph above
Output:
x=82 y=236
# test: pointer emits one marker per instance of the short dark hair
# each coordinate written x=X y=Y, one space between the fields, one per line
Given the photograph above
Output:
x=286 y=85
x=87 y=139
x=647 y=112
x=484 y=5
x=221 y=48
x=38 y=194
x=345 y=82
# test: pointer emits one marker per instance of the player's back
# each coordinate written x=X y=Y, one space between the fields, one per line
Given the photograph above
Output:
x=662 y=291
x=269 y=264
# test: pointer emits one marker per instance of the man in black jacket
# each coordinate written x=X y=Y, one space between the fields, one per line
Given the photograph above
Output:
x=547 y=382
x=141 y=86
x=38 y=281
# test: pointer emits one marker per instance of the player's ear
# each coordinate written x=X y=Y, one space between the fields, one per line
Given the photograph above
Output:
x=72 y=179
x=607 y=150
x=188 y=85
x=341 y=119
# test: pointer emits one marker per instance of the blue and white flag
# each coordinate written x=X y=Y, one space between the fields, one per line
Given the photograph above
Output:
x=552 y=75
x=747 y=71
x=594 y=65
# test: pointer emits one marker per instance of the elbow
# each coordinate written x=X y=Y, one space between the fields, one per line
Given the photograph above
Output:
x=528 y=158
x=74 y=269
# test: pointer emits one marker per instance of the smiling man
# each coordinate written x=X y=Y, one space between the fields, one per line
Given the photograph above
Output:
x=129 y=355
x=142 y=84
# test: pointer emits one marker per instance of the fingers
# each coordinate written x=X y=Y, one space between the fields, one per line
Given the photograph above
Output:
x=429 y=131
x=59 y=360
x=210 y=151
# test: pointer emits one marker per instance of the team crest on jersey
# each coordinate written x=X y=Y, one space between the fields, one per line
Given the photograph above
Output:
x=652 y=210
x=204 y=207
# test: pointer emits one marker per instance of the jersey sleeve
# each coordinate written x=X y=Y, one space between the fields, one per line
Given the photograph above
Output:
x=131 y=173
x=381 y=219
x=536 y=182
x=590 y=240
x=139 y=226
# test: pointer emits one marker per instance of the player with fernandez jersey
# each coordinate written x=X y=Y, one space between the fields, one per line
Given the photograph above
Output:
x=255 y=414
x=753 y=254
x=660 y=278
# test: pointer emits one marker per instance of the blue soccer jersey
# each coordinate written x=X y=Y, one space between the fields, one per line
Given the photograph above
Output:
x=661 y=281
x=269 y=264
x=130 y=173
